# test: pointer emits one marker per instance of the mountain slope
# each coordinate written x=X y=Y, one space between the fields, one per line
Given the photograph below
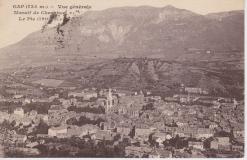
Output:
x=143 y=31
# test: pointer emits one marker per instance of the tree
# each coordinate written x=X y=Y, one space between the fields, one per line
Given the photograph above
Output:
x=148 y=106
x=151 y=140
x=132 y=132
x=42 y=128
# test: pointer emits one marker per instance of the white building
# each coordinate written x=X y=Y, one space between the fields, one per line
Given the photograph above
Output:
x=55 y=131
x=196 y=145
x=19 y=112
x=89 y=95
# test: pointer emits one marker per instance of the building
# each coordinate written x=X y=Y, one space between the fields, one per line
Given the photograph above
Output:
x=89 y=95
x=19 y=139
x=55 y=131
x=19 y=112
x=76 y=94
x=110 y=125
x=124 y=130
x=237 y=147
x=186 y=131
x=133 y=112
x=86 y=95
x=68 y=102
x=195 y=90
x=238 y=133
x=103 y=135
x=220 y=143
x=160 y=153
x=142 y=132
x=52 y=98
x=153 y=99
x=204 y=133
x=4 y=116
x=27 y=101
x=109 y=100
x=33 y=114
x=32 y=144
x=196 y=145
x=82 y=130
x=159 y=137
x=18 y=96
x=133 y=151
x=122 y=110
x=56 y=115
x=213 y=125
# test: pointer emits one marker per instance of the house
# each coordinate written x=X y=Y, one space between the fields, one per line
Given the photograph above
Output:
x=4 y=116
x=160 y=153
x=101 y=101
x=148 y=93
x=124 y=130
x=204 y=133
x=159 y=137
x=220 y=143
x=153 y=98
x=195 y=90
x=186 y=131
x=55 y=131
x=196 y=145
x=50 y=83
x=44 y=118
x=19 y=112
x=110 y=125
x=238 y=133
x=17 y=138
x=89 y=95
x=237 y=147
x=171 y=130
x=26 y=121
x=181 y=154
x=32 y=144
x=133 y=112
x=168 y=112
x=42 y=135
x=68 y=102
x=76 y=94
x=33 y=114
x=27 y=101
x=213 y=125
x=133 y=151
x=101 y=135
x=197 y=153
x=18 y=96
x=158 y=125
x=82 y=130
x=143 y=132
x=185 y=99
x=52 y=98
x=112 y=110
x=181 y=123
x=56 y=114
x=122 y=110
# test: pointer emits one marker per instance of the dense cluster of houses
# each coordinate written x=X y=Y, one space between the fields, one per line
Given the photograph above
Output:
x=152 y=125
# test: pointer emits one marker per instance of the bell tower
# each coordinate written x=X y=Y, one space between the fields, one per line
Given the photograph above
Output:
x=109 y=100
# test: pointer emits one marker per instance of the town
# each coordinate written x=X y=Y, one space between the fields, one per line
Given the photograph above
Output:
x=111 y=122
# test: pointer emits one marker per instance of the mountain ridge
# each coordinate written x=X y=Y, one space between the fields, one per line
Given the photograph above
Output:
x=144 y=31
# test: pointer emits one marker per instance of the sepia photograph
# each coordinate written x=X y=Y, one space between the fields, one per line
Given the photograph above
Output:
x=122 y=79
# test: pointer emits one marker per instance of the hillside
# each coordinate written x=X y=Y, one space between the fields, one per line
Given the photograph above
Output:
x=159 y=75
x=136 y=48
x=144 y=31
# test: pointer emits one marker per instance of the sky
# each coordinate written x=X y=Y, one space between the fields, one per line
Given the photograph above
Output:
x=12 y=30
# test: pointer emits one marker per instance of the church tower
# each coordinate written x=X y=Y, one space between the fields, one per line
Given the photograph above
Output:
x=109 y=101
